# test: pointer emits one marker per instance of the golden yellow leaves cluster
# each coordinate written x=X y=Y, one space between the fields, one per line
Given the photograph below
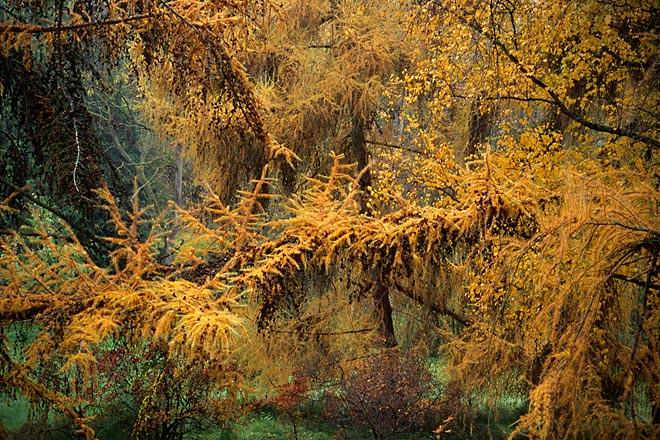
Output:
x=52 y=286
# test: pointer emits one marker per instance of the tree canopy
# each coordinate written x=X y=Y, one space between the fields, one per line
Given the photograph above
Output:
x=477 y=181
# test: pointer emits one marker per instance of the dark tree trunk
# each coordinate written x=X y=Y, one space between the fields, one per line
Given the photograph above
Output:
x=478 y=127
x=381 y=298
x=359 y=150
x=384 y=310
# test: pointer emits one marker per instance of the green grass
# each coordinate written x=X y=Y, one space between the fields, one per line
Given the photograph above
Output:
x=13 y=413
x=267 y=425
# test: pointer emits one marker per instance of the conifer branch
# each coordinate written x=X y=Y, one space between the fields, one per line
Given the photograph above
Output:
x=35 y=29
x=625 y=226
x=92 y=239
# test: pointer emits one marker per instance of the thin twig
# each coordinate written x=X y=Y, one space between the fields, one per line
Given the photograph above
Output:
x=396 y=146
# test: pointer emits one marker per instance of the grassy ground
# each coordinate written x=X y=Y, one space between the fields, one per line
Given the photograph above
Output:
x=269 y=424
x=13 y=414
x=259 y=426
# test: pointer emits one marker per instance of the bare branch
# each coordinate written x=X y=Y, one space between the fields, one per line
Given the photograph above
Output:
x=396 y=146
x=635 y=281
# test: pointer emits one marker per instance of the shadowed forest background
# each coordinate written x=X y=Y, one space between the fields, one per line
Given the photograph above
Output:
x=329 y=219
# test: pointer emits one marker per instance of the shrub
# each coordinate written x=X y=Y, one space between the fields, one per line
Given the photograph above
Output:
x=390 y=393
x=163 y=397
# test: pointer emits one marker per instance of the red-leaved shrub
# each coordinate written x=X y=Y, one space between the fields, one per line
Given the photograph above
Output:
x=389 y=393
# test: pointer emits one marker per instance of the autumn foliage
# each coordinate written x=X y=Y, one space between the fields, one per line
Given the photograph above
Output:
x=471 y=181
x=390 y=394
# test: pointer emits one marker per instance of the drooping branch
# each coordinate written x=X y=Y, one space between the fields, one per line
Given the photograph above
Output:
x=625 y=226
x=241 y=92
x=435 y=308
x=36 y=29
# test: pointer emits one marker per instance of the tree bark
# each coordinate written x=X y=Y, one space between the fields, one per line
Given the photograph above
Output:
x=381 y=297
x=178 y=199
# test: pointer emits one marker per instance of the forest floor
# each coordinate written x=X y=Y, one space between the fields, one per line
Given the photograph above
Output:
x=254 y=426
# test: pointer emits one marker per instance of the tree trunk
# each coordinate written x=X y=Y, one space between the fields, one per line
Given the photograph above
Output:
x=359 y=150
x=178 y=199
x=381 y=297
x=474 y=127
x=178 y=178
x=383 y=309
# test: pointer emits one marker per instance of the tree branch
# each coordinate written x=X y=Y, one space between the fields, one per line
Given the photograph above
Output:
x=555 y=99
x=646 y=284
x=36 y=29
x=625 y=226
x=436 y=308
x=398 y=147
x=345 y=332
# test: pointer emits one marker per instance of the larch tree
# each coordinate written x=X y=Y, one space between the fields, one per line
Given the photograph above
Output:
x=516 y=207
x=87 y=275
x=321 y=69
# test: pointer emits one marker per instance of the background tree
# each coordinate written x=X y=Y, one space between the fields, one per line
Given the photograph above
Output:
x=321 y=70
x=61 y=57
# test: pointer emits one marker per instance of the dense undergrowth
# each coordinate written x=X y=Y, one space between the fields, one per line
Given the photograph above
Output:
x=391 y=396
